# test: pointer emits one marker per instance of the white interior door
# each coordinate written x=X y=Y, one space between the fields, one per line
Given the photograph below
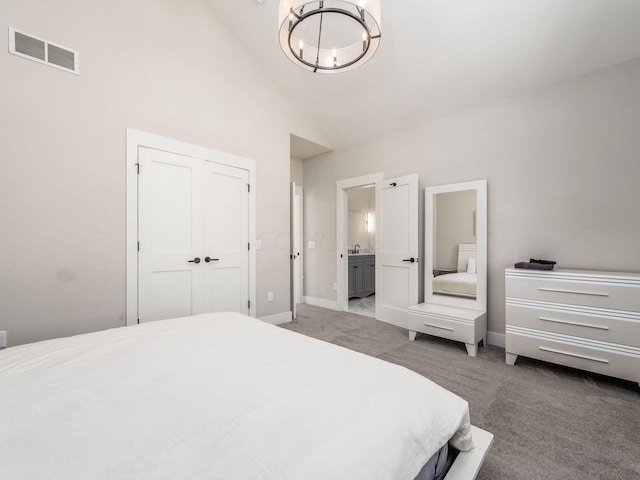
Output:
x=225 y=230
x=298 y=243
x=296 y=247
x=397 y=269
x=170 y=236
x=193 y=233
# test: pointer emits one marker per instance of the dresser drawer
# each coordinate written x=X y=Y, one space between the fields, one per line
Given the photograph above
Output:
x=593 y=294
x=607 y=362
x=591 y=326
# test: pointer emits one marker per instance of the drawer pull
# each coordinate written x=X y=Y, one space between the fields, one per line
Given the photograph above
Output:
x=438 y=326
x=570 y=354
x=578 y=324
x=593 y=294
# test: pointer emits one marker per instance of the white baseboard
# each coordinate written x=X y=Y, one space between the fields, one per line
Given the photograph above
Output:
x=496 y=339
x=277 y=318
x=322 y=302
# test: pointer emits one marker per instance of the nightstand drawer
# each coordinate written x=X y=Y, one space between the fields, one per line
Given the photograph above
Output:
x=593 y=294
x=615 y=363
x=576 y=323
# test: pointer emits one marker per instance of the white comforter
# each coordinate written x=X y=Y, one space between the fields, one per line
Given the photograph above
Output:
x=461 y=283
x=216 y=396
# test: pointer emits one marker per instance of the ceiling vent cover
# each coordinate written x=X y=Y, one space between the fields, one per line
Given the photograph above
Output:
x=43 y=51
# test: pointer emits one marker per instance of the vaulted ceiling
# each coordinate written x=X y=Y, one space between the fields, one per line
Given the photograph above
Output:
x=442 y=56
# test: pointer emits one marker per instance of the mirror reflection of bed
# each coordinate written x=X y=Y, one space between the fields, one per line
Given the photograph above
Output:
x=462 y=281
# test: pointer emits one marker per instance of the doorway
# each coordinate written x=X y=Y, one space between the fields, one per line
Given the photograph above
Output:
x=361 y=208
x=356 y=244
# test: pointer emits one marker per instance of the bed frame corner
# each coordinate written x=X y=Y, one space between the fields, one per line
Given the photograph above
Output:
x=467 y=464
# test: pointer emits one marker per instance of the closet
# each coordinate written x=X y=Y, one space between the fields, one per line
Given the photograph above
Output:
x=193 y=236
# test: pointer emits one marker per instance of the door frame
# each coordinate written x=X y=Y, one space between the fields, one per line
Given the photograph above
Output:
x=137 y=139
x=342 y=233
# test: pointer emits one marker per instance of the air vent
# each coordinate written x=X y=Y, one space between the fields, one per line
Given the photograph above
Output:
x=43 y=51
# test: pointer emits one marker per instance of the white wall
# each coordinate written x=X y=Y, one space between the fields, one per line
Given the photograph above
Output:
x=162 y=66
x=297 y=171
x=562 y=167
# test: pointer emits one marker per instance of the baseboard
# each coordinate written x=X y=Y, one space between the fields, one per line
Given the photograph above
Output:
x=322 y=302
x=496 y=339
x=277 y=318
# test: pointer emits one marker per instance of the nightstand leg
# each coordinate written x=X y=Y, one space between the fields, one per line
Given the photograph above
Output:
x=472 y=348
x=510 y=358
x=412 y=335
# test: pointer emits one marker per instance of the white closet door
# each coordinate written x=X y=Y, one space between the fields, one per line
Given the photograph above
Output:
x=225 y=238
x=397 y=248
x=170 y=235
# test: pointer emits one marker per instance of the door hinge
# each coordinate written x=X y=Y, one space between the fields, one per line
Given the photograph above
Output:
x=249 y=304
x=248 y=187
x=138 y=320
x=248 y=246
x=138 y=246
x=138 y=168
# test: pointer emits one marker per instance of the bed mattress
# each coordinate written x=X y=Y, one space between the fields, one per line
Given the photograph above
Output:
x=216 y=396
x=461 y=284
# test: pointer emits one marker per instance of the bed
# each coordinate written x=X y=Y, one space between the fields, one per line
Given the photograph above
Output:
x=221 y=396
x=461 y=283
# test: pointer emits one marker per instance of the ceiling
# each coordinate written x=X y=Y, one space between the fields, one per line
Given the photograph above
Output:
x=442 y=56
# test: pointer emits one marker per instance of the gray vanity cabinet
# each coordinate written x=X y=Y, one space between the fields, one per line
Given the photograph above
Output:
x=362 y=275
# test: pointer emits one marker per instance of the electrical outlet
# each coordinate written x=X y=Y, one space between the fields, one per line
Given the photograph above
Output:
x=258 y=244
x=270 y=296
x=3 y=339
x=335 y=286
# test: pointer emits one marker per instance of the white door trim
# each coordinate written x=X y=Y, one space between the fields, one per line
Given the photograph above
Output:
x=137 y=139
x=342 y=232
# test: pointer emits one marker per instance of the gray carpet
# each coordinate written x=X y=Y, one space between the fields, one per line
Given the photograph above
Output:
x=549 y=422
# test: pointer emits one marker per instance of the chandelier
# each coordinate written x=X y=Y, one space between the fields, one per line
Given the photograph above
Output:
x=329 y=36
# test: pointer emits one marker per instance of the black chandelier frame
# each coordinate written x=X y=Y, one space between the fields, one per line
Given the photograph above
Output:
x=296 y=18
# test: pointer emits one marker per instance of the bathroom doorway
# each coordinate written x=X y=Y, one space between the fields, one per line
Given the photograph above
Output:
x=357 y=244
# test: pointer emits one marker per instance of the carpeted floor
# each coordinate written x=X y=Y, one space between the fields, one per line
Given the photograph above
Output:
x=549 y=422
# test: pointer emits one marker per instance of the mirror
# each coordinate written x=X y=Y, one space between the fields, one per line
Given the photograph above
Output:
x=456 y=245
x=362 y=206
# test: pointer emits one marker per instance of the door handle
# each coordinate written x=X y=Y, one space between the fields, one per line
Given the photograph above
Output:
x=195 y=260
x=209 y=259
x=412 y=260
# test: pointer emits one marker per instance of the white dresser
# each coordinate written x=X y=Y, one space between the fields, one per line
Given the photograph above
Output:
x=580 y=318
x=455 y=323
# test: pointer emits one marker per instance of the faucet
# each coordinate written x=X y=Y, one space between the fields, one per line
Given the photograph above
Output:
x=356 y=248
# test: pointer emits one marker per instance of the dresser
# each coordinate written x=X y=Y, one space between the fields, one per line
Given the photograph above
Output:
x=455 y=323
x=579 y=318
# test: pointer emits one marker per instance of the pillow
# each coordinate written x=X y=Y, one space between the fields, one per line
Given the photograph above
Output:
x=471 y=265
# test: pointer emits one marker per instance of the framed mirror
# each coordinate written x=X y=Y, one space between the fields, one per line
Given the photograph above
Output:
x=456 y=245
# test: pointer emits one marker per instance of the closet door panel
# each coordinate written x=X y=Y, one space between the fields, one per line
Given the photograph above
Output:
x=170 y=235
x=225 y=238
